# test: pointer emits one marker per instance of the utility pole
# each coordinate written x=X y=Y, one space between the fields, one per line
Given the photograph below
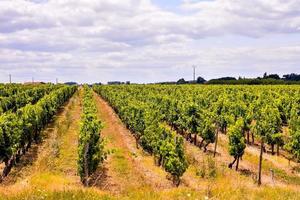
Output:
x=9 y=78
x=56 y=81
x=194 y=73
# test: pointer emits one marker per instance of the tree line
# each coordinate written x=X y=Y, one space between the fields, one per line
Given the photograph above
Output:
x=271 y=79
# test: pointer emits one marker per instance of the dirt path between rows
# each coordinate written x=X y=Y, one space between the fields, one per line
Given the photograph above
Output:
x=128 y=168
x=277 y=161
x=223 y=159
x=51 y=165
x=247 y=167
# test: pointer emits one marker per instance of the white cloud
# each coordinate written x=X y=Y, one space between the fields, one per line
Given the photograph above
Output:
x=58 y=36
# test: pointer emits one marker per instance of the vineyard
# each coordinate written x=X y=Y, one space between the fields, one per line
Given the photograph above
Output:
x=149 y=142
x=19 y=128
x=200 y=115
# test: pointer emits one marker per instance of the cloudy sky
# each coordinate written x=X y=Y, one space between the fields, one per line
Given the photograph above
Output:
x=147 y=40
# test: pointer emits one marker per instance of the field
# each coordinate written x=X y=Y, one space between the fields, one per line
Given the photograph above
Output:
x=149 y=142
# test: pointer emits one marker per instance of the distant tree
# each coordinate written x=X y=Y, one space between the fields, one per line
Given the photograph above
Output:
x=181 y=81
x=273 y=76
x=265 y=75
x=200 y=80
x=291 y=77
x=226 y=79
x=70 y=83
x=271 y=79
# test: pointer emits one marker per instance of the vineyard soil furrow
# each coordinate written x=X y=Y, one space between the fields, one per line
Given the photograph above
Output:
x=247 y=168
x=275 y=162
x=128 y=168
x=55 y=165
